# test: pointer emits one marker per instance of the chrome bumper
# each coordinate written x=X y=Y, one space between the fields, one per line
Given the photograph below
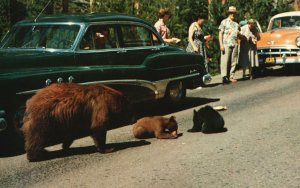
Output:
x=279 y=55
x=281 y=60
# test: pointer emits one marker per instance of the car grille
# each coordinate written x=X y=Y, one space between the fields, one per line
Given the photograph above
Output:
x=279 y=52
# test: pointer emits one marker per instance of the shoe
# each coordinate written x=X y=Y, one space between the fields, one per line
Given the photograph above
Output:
x=246 y=77
x=251 y=77
x=225 y=80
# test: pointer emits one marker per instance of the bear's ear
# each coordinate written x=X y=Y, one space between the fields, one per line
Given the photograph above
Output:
x=172 y=118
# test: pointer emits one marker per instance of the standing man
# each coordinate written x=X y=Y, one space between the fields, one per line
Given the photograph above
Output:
x=228 y=40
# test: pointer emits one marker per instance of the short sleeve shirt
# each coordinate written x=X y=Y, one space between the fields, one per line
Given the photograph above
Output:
x=162 y=29
x=230 y=32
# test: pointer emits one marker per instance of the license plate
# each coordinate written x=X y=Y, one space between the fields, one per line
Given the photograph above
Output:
x=270 y=60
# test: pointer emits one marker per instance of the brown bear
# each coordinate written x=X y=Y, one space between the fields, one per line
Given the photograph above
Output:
x=60 y=113
x=156 y=126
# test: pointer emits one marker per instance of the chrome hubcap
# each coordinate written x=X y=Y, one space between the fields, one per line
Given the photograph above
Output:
x=176 y=90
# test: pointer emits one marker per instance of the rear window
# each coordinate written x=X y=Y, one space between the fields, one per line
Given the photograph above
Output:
x=136 y=36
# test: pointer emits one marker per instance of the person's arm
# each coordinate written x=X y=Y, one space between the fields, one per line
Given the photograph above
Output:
x=241 y=34
x=190 y=38
x=208 y=37
x=221 y=32
x=170 y=40
x=257 y=34
x=221 y=41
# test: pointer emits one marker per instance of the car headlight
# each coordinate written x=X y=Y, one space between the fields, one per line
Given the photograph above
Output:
x=298 y=41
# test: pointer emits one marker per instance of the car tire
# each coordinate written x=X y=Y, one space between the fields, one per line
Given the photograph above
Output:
x=175 y=92
x=260 y=71
x=12 y=139
x=18 y=120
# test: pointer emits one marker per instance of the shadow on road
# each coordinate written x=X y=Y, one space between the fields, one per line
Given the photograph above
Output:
x=75 y=151
x=213 y=85
x=13 y=151
x=161 y=108
x=11 y=148
x=288 y=70
x=92 y=149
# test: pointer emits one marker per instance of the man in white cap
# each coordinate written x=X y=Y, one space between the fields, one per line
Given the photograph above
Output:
x=228 y=40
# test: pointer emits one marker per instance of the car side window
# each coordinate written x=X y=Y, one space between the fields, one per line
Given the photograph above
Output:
x=99 y=37
x=136 y=36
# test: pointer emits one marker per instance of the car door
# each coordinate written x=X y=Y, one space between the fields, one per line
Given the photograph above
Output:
x=137 y=43
x=98 y=53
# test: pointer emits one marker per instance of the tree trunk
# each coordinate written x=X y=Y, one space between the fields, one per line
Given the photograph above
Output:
x=136 y=7
x=65 y=6
x=92 y=5
x=222 y=1
x=297 y=5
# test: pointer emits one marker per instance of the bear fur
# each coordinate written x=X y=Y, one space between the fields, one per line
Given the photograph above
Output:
x=156 y=126
x=208 y=120
x=60 y=113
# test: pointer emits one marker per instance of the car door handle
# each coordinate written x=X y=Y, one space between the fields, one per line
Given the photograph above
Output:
x=155 y=49
x=121 y=51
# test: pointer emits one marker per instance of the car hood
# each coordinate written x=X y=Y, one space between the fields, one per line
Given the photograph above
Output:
x=279 y=37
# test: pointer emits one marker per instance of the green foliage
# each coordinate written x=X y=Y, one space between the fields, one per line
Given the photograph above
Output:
x=4 y=19
x=183 y=12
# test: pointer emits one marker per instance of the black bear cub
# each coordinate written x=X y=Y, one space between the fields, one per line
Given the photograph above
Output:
x=207 y=120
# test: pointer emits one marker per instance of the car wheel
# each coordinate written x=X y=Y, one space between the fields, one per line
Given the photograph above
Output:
x=175 y=91
x=260 y=71
x=12 y=139
x=18 y=119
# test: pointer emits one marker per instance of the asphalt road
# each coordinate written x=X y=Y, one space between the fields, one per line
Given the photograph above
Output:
x=260 y=149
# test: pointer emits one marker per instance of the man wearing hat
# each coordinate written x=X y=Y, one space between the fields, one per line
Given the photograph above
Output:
x=228 y=40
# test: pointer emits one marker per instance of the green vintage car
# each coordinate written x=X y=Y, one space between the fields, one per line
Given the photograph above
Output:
x=121 y=51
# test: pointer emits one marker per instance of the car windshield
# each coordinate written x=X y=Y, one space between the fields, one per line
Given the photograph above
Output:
x=41 y=36
x=285 y=22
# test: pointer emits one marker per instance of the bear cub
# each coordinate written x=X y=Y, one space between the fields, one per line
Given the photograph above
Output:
x=208 y=120
x=156 y=126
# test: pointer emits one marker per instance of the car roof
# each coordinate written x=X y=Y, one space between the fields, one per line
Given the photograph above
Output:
x=284 y=14
x=92 y=17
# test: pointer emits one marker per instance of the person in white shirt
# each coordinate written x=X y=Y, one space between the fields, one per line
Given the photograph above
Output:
x=248 y=57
